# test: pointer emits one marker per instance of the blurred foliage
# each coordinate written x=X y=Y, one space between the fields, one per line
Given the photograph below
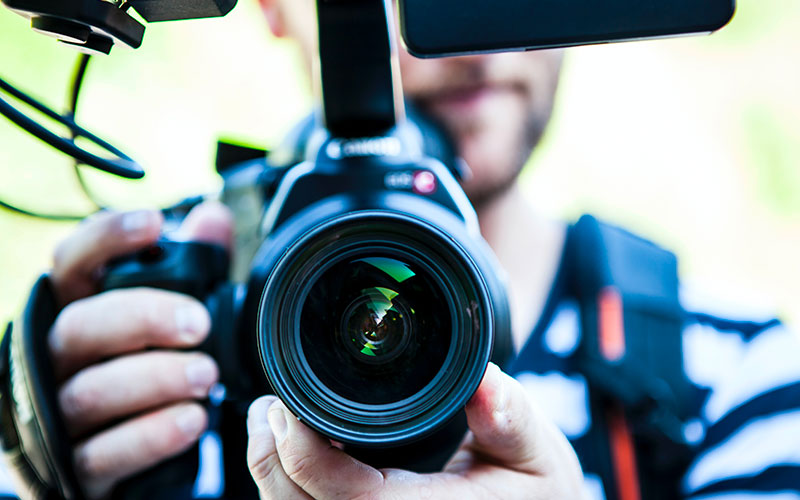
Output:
x=773 y=141
x=693 y=142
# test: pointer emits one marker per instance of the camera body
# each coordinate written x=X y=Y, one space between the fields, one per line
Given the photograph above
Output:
x=373 y=304
x=376 y=300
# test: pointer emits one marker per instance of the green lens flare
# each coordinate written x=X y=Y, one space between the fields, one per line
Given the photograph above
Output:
x=394 y=268
x=380 y=301
x=389 y=294
x=370 y=328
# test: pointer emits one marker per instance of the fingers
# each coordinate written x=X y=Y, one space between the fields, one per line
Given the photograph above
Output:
x=509 y=430
x=311 y=462
x=308 y=460
x=502 y=420
x=136 y=445
x=122 y=321
x=79 y=258
x=131 y=384
x=262 y=455
x=209 y=222
x=512 y=452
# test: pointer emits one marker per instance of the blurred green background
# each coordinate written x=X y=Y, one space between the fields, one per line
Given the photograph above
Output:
x=692 y=142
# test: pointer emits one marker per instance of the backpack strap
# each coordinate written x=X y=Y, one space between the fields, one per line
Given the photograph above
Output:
x=631 y=355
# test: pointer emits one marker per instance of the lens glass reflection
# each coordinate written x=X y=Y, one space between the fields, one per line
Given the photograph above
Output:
x=375 y=329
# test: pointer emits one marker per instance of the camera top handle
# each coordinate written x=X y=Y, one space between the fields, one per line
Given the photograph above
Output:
x=359 y=70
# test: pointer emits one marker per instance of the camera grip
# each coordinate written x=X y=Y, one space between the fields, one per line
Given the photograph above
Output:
x=191 y=268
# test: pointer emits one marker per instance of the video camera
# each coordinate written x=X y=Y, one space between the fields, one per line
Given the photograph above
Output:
x=372 y=305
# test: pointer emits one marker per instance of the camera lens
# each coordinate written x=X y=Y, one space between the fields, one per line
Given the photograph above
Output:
x=375 y=329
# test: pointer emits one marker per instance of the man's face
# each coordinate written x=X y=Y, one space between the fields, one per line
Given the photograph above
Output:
x=494 y=106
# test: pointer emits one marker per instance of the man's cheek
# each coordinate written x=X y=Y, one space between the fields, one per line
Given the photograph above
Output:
x=420 y=76
x=495 y=144
x=497 y=120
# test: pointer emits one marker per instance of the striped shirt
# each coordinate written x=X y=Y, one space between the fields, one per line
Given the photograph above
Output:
x=745 y=429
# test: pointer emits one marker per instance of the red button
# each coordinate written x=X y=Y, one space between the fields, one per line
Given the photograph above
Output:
x=424 y=182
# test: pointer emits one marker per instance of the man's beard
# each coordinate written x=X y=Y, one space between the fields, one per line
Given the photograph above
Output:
x=460 y=132
x=529 y=137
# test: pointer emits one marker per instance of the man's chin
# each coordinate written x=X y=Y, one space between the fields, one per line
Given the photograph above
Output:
x=483 y=194
x=466 y=112
x=487 y=132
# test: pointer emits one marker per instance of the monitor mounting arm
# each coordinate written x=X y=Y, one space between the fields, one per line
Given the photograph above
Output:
x=361 y=91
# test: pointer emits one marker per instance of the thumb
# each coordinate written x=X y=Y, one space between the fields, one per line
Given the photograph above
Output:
x=507 y=427
x=510 y=431
x=209 y=222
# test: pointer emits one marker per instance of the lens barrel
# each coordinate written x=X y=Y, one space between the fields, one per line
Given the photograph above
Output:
x=375 y=328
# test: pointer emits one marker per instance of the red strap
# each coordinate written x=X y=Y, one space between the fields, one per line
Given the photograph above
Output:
x=611 y=341
x=610 y=325
x=623 y=455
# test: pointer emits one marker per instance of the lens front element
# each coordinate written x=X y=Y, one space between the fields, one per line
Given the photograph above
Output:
x=375 y=329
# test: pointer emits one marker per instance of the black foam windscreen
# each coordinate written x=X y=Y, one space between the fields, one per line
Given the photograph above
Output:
x=174 y=10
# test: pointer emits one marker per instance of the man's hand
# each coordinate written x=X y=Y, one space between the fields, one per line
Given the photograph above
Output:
x=127 y=396
x=512 y=451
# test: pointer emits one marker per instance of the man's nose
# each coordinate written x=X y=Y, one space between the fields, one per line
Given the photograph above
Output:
x=472 y=66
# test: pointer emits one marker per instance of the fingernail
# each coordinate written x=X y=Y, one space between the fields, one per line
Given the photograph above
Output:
x=191 y=322
x=277 y=421
x=136 y=221
x=191 y=420
x=56 y=343
x=500 y=395
x=200 y=374
x=257 y=413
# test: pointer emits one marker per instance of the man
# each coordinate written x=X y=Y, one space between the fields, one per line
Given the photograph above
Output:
x=128 y=398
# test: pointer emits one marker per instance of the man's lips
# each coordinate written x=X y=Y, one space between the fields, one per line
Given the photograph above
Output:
x=465 y=99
